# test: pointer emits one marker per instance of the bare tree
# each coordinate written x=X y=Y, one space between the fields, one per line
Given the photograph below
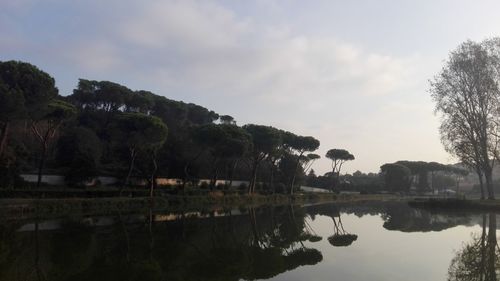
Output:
x=467 y=98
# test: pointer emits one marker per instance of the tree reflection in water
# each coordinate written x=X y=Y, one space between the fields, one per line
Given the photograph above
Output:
x=238 y=244
x=479 y=258
x=341 y=238
x=247 y=243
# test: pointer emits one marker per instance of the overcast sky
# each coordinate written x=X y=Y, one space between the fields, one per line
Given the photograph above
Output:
x=353 y=74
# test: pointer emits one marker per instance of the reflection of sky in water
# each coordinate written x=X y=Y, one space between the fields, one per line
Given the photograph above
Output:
x=379 y=254
x=198 y=246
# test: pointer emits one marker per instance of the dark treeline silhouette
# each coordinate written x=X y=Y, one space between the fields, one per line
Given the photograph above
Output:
x=106 y=129
x=357 y=181
x=425 y=176
x=400 y=177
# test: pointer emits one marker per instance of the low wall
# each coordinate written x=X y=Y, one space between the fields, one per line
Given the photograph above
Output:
x=107 y=180
x=314 y=189
x=47 y=179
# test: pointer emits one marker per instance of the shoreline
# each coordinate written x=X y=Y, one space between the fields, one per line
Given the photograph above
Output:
x=19 y=208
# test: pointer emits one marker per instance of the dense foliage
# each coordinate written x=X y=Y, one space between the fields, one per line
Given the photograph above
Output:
x=424 y=176
x=106 y=129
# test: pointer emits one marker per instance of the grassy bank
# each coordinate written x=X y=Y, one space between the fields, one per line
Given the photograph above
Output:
x=25 y=208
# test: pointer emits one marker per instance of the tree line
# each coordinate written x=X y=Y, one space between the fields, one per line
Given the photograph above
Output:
x=401 y=175
x=104 y=128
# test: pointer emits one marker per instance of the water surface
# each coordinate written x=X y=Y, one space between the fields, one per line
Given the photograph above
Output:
x=371 y=241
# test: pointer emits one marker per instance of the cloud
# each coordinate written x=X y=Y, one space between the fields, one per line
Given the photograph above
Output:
x=208 y=47
x=190 y=25
x=272 y=75
x=96 y=56
x=260 y=72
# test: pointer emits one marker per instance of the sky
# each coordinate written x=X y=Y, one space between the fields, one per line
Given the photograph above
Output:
x=354 y=74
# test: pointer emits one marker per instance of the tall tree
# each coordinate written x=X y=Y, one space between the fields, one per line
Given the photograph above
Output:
x=139 y=132
x=224 y=142
x=153 y=145
x=11 y=108
x=396 y=177
x=309 y=161
x=227 y=119
x=23 y=90
x=102 y=95
x=338 y=157
x=265 y=140
x=46 y=123
x=300 y=145
x=421 y=170
x=467 y=97
x=79 y=150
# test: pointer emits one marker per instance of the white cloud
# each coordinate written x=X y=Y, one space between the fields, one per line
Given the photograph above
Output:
x=313 y=84
x=275 y=76
x=186 y=24
x=96 y=56
x=217 y=52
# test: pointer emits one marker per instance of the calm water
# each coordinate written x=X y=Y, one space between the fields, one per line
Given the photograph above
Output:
x=323 y=242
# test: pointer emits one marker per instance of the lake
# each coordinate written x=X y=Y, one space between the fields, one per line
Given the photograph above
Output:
x=370 y=241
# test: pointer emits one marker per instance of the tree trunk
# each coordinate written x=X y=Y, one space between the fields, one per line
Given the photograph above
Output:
x=215 y=177
x=186 y=176
x=295 y=173
x=41 y=164
x=231 y=176
x=253 y=179
x=432 y=182
x=215 y=171
x=334 y=177
x=188 y=179
x=131 y=166
x=272 y=179
x=338 y=172
x=489 y=185
x=481 y=183
x=3 y=138
x=153 y=176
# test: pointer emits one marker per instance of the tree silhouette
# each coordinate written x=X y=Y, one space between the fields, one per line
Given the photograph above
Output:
x=45 y=124
x=338 y=157
x=467 y=97
x=265 y=140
